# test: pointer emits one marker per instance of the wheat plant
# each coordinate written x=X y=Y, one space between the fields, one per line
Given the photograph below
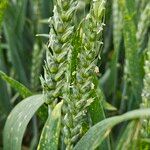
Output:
x=93 y=90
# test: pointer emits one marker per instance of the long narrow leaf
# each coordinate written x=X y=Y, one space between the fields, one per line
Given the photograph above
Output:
x=3 y=6
x=23 y=91
x=133 y=58
x=5 y=106
x=18 y=120
x=95 y=135
x=13 y=25
x=127 y=138
x=50 y=134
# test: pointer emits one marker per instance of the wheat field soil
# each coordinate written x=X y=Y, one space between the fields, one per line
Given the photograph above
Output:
x=74 y=75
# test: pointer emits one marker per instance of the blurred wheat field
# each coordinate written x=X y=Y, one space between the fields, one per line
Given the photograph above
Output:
x=75 y=74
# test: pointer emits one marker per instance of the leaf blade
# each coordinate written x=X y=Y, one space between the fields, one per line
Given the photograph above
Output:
x=50 y=134
x=129 y=136
x=95 y=135
x=133 y=57
x=23 y=91
x=17 y=121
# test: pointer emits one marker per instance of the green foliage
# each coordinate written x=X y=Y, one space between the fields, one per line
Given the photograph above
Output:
x=143 y=27
x=50 y=134
x=133 y=59
x=17 y=37
x=4 y=98
x=145 y=95
x=130 y=136
x=18 y=120
x=145 y=131
x=14 y=26
x=96 y=68
x=21 y=89
x=96 y=134
x=3 y=6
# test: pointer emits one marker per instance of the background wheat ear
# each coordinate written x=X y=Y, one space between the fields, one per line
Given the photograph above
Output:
x=145 y=96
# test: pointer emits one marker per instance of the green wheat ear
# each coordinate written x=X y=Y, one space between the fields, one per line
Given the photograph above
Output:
x=57 y=82
x=61 y=30
x=37 y=57
x=80 y=92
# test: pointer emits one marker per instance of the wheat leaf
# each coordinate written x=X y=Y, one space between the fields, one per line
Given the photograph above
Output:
x=50 y=134
x=127 y=138
x=23 y=91
x=18 y=120
x=133 y=58
x=95 y=135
